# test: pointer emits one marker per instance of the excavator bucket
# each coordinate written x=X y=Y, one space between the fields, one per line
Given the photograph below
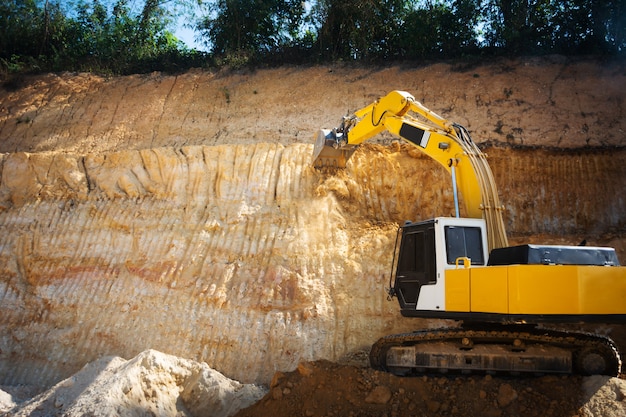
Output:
x=328 y=152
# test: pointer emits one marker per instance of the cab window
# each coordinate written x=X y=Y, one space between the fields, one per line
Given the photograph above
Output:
x=462 y=241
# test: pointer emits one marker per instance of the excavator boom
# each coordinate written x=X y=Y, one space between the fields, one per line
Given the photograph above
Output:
x=447 y=143
x=372 y=120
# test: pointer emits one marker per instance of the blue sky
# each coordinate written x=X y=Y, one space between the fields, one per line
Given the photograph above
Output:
x=187 y=35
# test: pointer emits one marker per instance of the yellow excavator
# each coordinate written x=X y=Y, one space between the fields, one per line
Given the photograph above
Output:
x=461 y=268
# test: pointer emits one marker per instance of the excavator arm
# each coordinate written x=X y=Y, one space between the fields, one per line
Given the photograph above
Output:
x=447 y=143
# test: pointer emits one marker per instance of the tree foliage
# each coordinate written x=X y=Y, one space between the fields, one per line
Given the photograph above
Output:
x=92 y=35
x=124 y=36
x=441 y=29
x=563 y=26
x=358 y=29
x=253 y=26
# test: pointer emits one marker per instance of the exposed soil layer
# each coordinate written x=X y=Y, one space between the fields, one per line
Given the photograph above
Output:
x=181 y=213
x=546 y=102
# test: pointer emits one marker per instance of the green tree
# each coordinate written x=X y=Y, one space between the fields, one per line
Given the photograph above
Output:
x=30 y=28
x=100 y=35
x=521 y=26
x=441 y=28
x=125 y=39
x=251 y=26
x=562 y=26
x=590 y=26
x=357 y=29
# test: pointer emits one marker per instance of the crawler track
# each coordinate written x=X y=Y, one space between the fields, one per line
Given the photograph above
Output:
x=509 y=349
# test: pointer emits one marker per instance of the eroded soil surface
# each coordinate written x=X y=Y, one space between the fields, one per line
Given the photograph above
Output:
x=180 y=213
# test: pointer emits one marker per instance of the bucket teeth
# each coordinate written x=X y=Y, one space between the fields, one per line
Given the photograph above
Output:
x=328 y=152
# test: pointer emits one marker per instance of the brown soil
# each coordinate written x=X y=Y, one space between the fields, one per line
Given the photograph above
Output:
x=554 y=129
x=547 y=102
x=328 y=389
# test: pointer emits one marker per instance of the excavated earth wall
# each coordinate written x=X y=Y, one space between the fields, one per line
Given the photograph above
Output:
x=235 y=255
x=181 y=213
x=240 y=256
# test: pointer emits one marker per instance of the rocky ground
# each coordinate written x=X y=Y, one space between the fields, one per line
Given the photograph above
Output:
x=329 y=389
x=180 y=213
x=157 y=384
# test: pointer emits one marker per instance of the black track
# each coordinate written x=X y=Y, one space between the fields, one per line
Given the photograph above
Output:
x=587 y=349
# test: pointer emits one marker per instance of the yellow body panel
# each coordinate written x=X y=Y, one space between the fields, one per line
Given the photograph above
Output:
x=545 y=289
x=604 y=290
x=537 y=290
x=457 y=290
x=489 y=289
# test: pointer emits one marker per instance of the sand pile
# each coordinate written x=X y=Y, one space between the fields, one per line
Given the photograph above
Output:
x=150 y=384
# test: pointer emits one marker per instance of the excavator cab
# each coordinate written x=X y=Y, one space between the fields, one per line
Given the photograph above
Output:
x=425 y=250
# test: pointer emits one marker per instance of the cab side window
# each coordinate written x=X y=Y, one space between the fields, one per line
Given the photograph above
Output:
x=464 y=242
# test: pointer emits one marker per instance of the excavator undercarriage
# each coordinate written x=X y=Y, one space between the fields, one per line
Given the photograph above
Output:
x=497 y=349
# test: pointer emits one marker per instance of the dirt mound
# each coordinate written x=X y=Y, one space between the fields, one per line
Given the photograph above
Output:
x=328 y=389
x=157 y=384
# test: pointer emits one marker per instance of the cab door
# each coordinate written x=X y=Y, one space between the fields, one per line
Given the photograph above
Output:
x=416 y=263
